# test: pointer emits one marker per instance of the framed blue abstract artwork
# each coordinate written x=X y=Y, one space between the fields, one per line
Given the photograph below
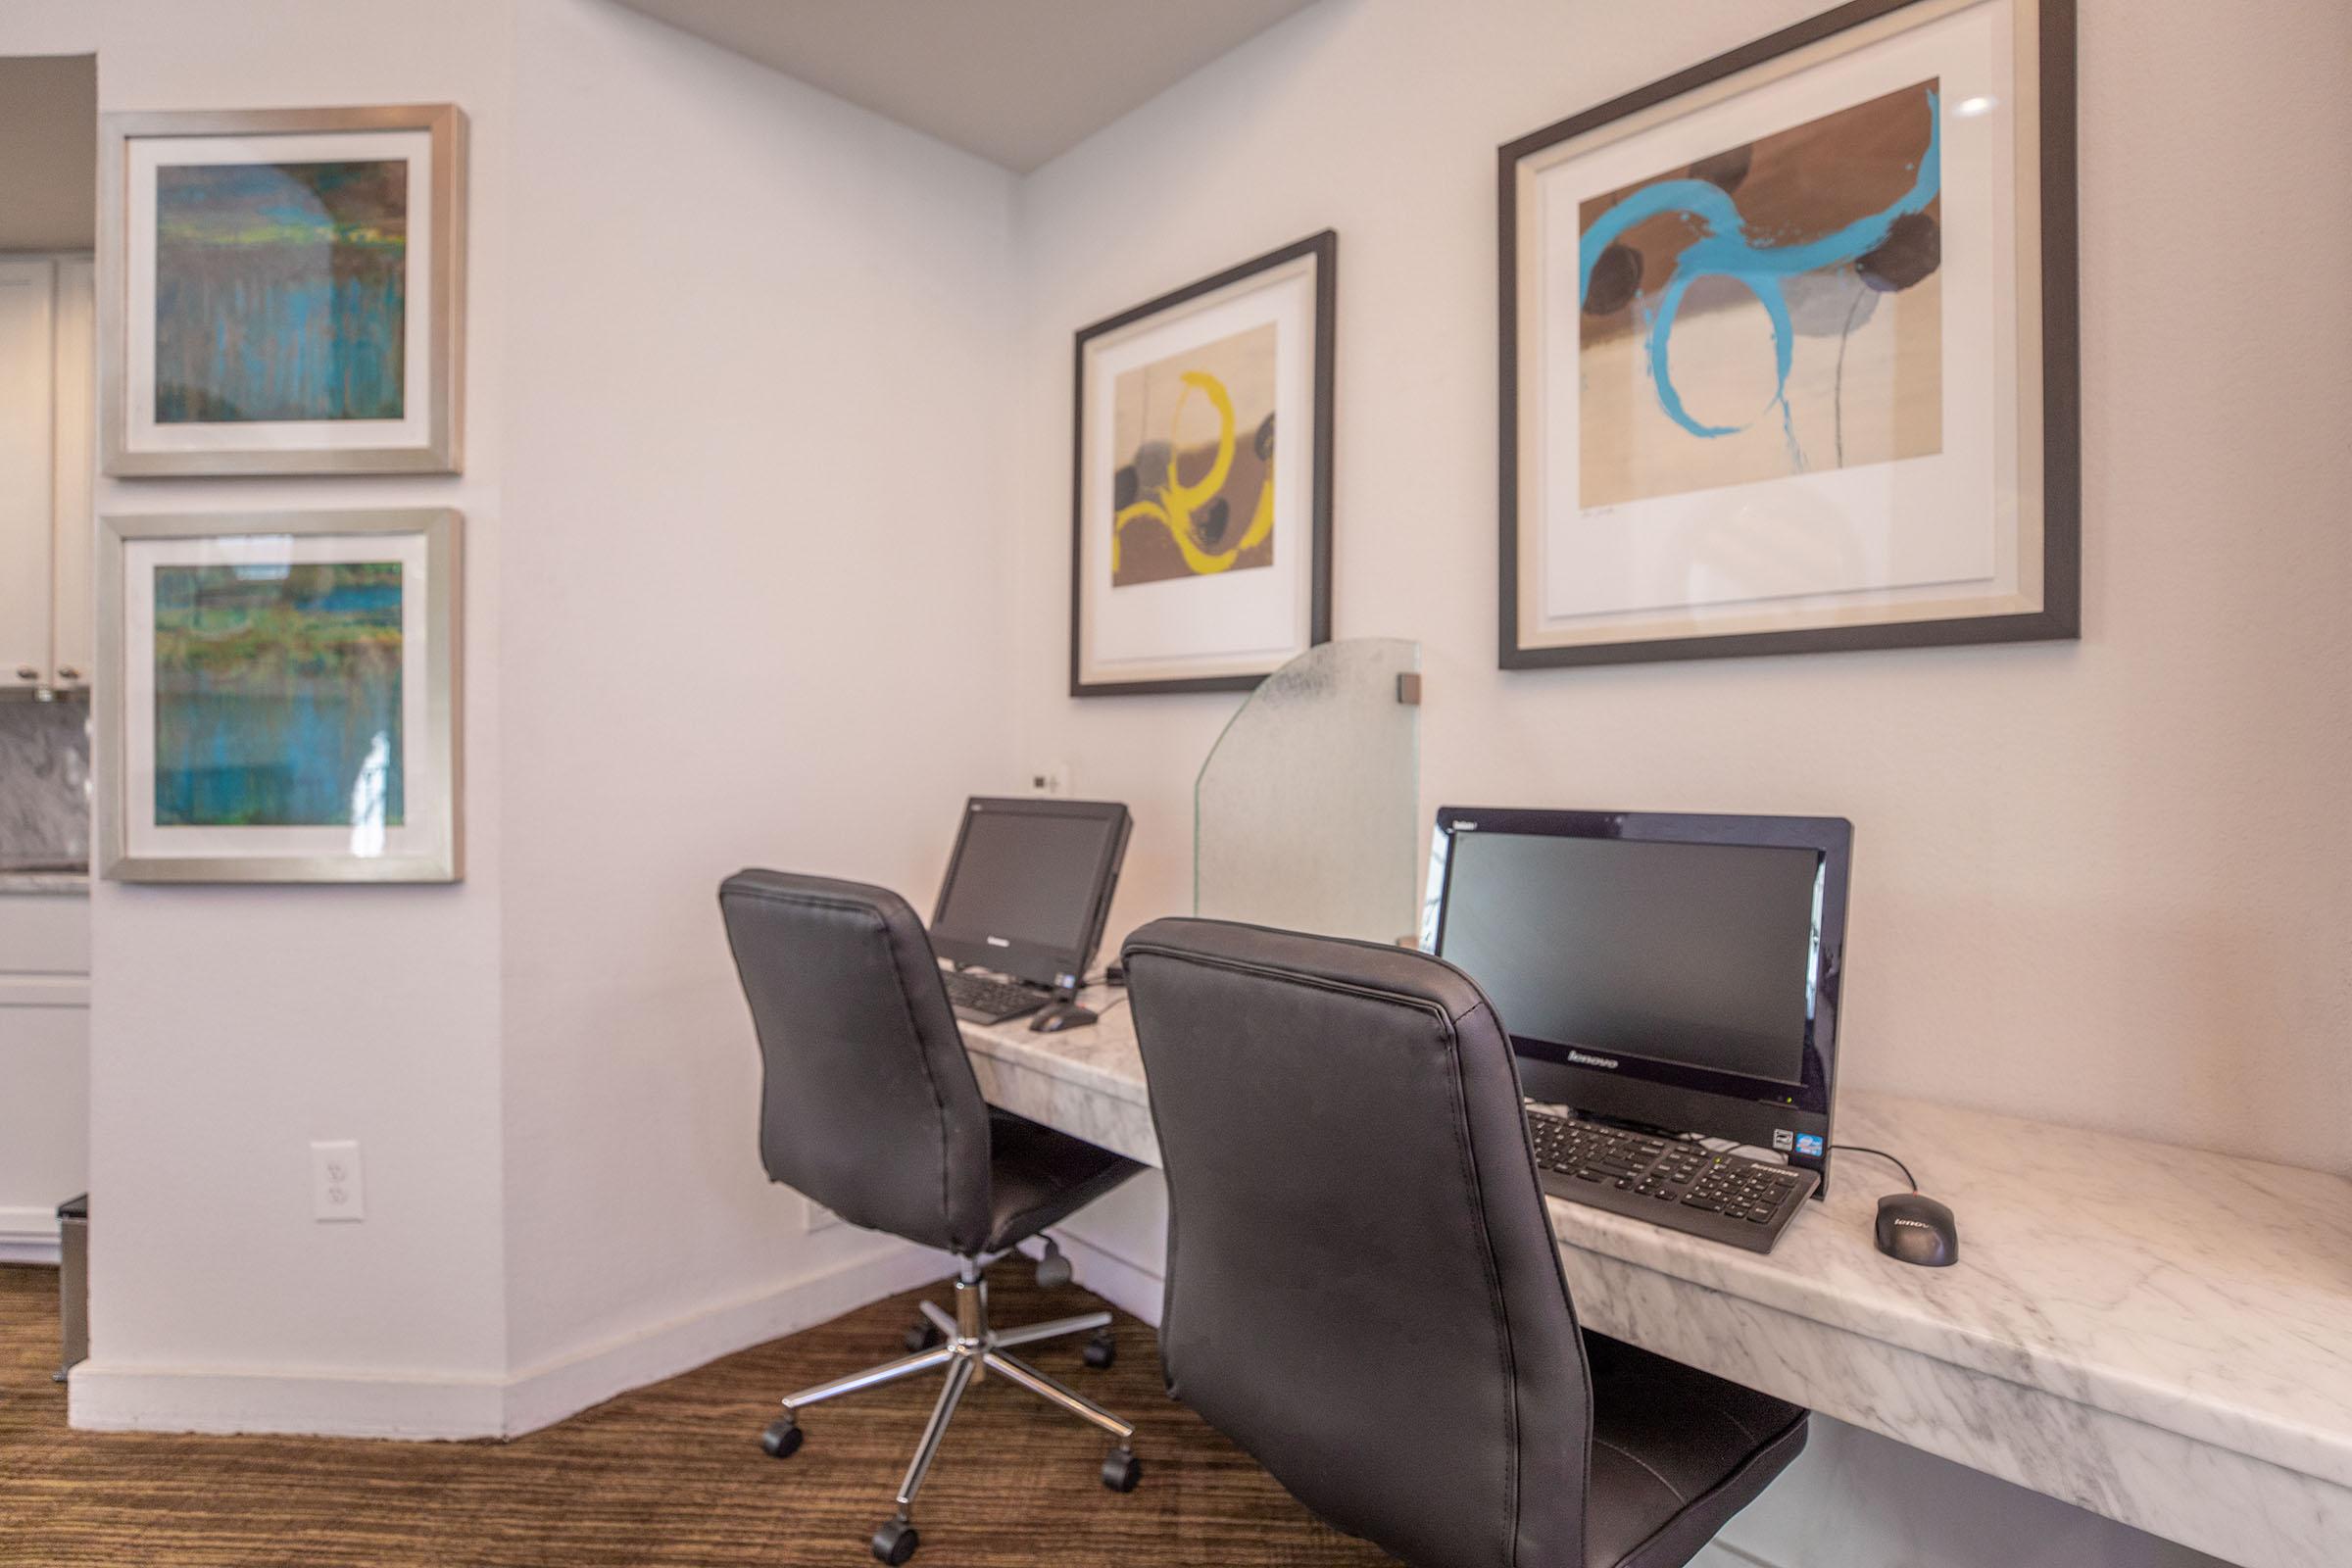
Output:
x=280 y=690
x=1789 y=346
x=283 y=292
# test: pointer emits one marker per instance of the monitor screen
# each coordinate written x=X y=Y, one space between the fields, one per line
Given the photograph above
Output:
x=1027 y=877
x=1697 y=954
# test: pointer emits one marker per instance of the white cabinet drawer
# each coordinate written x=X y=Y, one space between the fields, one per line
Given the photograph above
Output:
x=44 y=1123
x=44 y=933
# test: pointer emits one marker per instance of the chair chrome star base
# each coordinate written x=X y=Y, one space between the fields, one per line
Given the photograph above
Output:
x=868 y=1106
x=968 y=1349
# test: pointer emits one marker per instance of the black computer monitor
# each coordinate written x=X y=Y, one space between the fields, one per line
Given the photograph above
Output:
x=1029 y=886
x=1677 y=971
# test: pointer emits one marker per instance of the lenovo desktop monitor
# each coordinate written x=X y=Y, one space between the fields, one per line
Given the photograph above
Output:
x=1677 y=972
x=1028 y=887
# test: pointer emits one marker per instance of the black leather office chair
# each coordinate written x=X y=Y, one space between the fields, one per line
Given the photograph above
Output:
x=1363 y=1290
x=870 y=1108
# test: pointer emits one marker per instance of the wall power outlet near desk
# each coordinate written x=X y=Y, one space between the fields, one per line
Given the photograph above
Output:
x=339 y=1185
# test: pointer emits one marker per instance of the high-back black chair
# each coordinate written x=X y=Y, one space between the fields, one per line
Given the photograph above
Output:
x=1363 y=1290
x=869 y=1106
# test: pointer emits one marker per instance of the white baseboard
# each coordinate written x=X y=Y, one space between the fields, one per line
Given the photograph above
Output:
x=28 y=1235
x=546 y=1393
x=102 y=1397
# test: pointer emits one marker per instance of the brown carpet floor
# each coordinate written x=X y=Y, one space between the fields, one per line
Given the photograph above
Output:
x=668 y=1474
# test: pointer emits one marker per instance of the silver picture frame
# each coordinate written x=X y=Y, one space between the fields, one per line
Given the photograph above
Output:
x=438 y=855
x=441 y=380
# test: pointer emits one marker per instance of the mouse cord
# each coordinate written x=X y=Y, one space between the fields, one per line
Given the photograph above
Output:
x=1864 y=1149
x=1733 y=1145
x=1110 y=976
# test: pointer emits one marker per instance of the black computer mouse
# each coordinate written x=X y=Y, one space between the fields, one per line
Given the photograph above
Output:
x=1062 y=1015
x=1917 y=1229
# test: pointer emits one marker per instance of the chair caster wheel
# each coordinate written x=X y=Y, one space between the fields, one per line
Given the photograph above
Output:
x=923 y=1335
x=782 y=1439
x=895 y=1541
x=1122 y=1470
x=1101 y=1349
x=1052 y=1269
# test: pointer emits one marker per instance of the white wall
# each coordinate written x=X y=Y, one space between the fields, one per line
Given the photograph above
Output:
x=2105 y=883
x=229 y=1027
x=48 y=182
x=733 y=425
x=758 y=482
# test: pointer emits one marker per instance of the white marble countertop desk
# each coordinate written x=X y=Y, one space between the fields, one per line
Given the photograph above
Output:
x=1087 y=1081
x=2161 y=1336
x=44 y=882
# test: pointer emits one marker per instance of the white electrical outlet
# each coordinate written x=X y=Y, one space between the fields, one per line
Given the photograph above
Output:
x=337 y=1190
x=1051 y=779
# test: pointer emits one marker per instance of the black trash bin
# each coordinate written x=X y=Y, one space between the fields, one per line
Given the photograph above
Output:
x=73 y=1279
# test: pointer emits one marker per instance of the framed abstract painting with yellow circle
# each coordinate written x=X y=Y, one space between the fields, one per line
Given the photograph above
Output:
x=1201 y=506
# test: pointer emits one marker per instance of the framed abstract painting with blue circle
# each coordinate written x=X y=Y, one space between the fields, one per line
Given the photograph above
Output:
x=280 y=693
x=1789 y=349
x=283 y=292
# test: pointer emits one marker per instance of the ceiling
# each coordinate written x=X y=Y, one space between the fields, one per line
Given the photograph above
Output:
x=1016 y=81
x=48 y=153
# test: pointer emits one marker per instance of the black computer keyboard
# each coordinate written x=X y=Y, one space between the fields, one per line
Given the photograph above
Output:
x=1676 y=1183
x=985 y=1000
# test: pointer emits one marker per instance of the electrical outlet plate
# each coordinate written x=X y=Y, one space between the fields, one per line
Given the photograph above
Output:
x=338 y=1191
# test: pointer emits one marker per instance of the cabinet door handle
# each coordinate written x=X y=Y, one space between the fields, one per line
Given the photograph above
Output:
x=27 y=672
x=67 y=672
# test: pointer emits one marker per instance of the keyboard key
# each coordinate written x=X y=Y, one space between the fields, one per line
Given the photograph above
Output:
x=1676 y=1173
x=991 y=998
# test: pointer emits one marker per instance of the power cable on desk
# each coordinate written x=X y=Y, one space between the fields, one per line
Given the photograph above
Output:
x=1728 y=1145
x=1865 y=1148
x=1112 y=975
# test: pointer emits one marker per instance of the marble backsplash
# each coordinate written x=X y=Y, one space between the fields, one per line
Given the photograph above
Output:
x=44 y=784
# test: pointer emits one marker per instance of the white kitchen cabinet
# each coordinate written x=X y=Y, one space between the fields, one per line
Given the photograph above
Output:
x=72 y=629
x=44 y=1066
x=48 y=412
x=27 y=458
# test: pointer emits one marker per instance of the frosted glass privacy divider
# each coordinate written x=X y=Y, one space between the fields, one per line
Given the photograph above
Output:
x=1307 y=814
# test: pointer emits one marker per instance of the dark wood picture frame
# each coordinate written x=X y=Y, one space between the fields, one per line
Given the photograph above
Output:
x=2060 y=615
x=1324 y=248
